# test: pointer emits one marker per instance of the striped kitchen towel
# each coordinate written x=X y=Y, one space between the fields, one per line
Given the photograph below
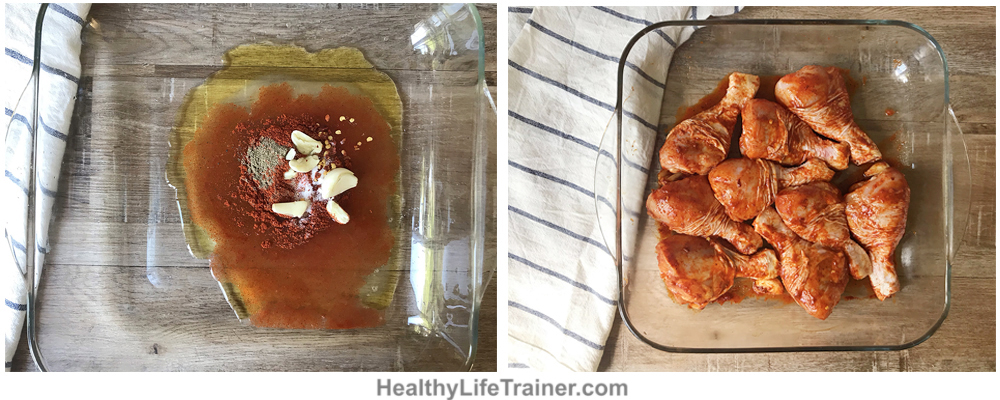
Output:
x=59 y=76
x=562 y=84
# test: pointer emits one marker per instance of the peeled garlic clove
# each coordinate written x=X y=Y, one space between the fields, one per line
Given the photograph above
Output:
x=304 y=164
x=337 y=181
x=291 y=209
x=305 y=144
x=337 y=213
x=290 y=155
x=329 y=179
x=290 y=174
x=346 y=182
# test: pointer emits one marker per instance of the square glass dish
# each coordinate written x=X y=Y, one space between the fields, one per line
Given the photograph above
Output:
x=897 y=67
x=119 y=288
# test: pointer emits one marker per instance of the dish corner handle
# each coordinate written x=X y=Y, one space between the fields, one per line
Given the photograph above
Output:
x=959 y=192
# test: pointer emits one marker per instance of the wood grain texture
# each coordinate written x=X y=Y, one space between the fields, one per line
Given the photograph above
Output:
x=182 y=34
x=967 y=339
x=172 y=48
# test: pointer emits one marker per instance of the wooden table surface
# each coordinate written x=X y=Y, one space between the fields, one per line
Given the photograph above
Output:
x=154 y=45
x=967 y=339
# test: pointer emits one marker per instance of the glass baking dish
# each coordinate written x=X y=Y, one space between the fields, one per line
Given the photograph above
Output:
x=897 y=67
x=119 y=289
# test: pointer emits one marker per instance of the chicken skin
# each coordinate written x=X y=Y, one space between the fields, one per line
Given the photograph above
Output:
x=876 y=213
x=771 y=132
x=762 y=267
x=688 y=206
x=819 y=97
x=815 y=276
x=697 y=271
x=745 y=186
x=771 y=286
x=701 y=142
x=816 y=212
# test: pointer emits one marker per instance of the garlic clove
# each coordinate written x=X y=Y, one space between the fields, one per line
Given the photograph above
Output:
x=337 y=213
x=291 y=209
x=344 y=184
x=304 y=164
x=291 y=174
x=329 y=178
x=305 y=144
x=290 y=155
x=337 y=181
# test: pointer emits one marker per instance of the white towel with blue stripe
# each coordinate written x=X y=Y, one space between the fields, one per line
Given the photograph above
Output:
x=58 y=79
x=562 y=88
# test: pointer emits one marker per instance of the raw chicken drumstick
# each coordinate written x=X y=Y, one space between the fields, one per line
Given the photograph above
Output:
x=762 y=267
x=813 y=275
x=876 y=213
x=688 y=206
x=701 y=142
x=773 y=133
x=818 y=96
x=697 y=272
x=815 y=212
x=745 y=186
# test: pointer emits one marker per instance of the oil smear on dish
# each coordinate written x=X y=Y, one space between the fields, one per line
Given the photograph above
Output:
x=286 y=166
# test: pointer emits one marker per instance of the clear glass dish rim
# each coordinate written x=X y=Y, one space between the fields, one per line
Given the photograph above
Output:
x=477 y=258
x=622 y=309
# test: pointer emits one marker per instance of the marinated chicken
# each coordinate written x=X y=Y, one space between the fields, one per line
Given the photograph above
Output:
x=773 y=133
x=701 y=142
x=745 y=186
x=688 y=206
x=771 y=286
x=697 y=271
x=762 y=267
x=814 y=275
x=876 y=213
x=816 y=213
x=819 y=97
x=821 y=238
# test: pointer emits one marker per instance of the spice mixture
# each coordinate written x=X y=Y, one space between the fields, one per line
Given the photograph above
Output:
x=262 y=182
